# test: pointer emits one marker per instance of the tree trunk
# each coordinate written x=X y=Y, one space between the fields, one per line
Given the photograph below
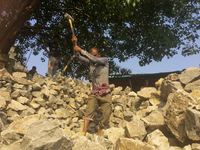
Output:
x=13 y=15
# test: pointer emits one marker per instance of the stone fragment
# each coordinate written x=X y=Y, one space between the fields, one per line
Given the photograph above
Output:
x=190 y=87
x=62 y=112
x=192 y=124
x=113 y=134
x=158 y=139
x=135 y=129
x=39 y=79
x=175 y=113
x=128 y=115
x=195 y=146
x=36 y=87
x=23 y=100
x=168 y=87
x=131 y=144
x=22 y=81
x=5 y=95
x=155 y=98
x=20 y=126
x=45 y=90
x=145 y=93
x=37 y=94
x=45 y=135
x=9 y=136
x=189 y=75
x=16 y=106
x=40 y=101
x=155 y=120
x=2 y=103
x=132 y=94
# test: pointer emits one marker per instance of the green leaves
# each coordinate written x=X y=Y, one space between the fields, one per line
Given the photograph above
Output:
x=122 y=29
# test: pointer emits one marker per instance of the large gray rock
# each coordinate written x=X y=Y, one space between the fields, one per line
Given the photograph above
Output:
x=175 y=113
x=189 y=75
x=2 y=103
x=62 y=112
x=14 y=105
x=113 y=134
x=45 y=135
x=145 y=93
x=19 y=74
x=190 y=87
x=192 y=124
x=20 y=126
x=135 y=129
x=168 y=87
x=22 y=81
x=39 y=79
x=157 y=139
x=131 y=144
x=155 y=120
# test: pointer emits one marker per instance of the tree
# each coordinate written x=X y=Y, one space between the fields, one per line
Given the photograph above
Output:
x=13 y=15
x=123 y=29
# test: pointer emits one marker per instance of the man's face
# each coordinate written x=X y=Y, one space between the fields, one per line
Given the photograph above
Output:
x=95 y=53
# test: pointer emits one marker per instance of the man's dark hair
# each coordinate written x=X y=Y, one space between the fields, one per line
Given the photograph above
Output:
x=33 y=67
x=56 y=36
x=94 y=48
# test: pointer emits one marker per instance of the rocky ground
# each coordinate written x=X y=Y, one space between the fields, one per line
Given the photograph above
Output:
x=47 y=114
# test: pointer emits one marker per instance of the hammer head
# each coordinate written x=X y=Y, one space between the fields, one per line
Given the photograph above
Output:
x=67 y=16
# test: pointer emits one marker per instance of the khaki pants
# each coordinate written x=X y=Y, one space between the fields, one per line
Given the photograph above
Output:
x=52 y=66
x=94 y=102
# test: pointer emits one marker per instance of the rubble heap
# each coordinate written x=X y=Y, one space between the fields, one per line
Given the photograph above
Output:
x=47 y=113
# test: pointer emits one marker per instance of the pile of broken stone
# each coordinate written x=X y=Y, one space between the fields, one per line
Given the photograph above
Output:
x=47 y=113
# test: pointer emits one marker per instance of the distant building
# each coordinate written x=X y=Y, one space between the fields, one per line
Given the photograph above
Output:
x=137 y=81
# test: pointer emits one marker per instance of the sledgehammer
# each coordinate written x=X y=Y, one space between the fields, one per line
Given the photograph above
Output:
x=67 y=16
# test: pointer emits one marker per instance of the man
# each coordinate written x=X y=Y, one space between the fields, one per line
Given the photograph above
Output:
x=33 y=71
x=99 y=96
x=54 y=55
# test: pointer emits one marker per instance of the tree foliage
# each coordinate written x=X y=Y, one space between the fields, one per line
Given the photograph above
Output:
x=122 y=29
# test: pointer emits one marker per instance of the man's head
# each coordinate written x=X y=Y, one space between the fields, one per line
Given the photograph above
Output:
x=95 y=52
x=33 y=68
x=56 y=38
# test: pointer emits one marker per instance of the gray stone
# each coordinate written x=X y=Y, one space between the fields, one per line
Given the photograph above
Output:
x=155 y=120
x=190 y=87
x=36 y=86
x=179 y=101
x=168 y=87
x=2 y=103
x=189 y=75
x=16 y=106
x=23 y=100
x=113 y=134
x=45 y=90
x=128 y=115
x=135 y=129
x=158 y=139
x=9 y=136
x=39 y=79
x=45 y=135
x=195 y=146
x=37 y=94
x=40 y=101
x=131 y=144
x=145 y=93
x=62 y=112
x=192 y=124
x=22 y=81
